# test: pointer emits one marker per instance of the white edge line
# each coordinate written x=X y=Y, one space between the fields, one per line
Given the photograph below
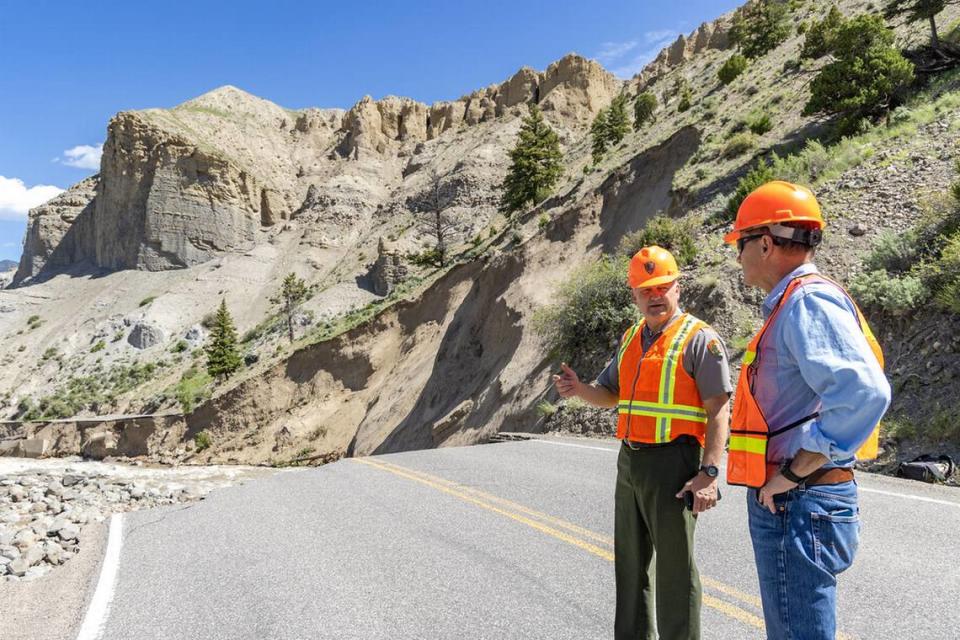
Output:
x=99 y=607
x=907 y=495
x=570 y=444
x=861 y=487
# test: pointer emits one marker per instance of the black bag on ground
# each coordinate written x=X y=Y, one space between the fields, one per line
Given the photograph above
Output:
x=927 y=468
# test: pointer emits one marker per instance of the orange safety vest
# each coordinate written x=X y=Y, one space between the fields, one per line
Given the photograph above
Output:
x=659 y=401
x=749 y=432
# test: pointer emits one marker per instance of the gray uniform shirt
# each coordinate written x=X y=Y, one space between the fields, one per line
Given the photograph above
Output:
x=710 y=371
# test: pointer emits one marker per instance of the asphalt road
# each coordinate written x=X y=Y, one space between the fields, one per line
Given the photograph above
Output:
x=510 y=540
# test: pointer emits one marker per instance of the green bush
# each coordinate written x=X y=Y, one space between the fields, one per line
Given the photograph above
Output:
x=948 y=276
x=739 y=145
x=429 y=257
x=644 y=106
x=543 y=221
x=49 y=354
x=147 y=301
x=193 y=388
x=180 y=346
x=893 y=252
x=202 y=441
x=99 y=346
x=732 y=68
x=674 y=235
x=759 y=27
x=760 y=124
x=891 y=294
x=686 y=100
x=592 y=309
x=759 y=175
x=822 y=35
x=867 y=77
x=546 y=409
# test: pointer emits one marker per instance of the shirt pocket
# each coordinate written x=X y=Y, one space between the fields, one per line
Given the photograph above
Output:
x=836 y=537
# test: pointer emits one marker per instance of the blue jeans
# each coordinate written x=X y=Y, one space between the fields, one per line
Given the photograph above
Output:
x=800 y=550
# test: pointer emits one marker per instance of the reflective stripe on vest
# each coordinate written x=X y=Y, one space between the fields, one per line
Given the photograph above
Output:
x=749 y=431
x=665 y=402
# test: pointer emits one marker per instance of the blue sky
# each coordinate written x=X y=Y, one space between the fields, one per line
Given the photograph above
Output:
x=67 y=67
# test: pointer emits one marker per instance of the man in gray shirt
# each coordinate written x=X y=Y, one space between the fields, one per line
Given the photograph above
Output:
x=670 y=382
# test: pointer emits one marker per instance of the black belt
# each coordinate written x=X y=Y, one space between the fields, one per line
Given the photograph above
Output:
x=633 y=444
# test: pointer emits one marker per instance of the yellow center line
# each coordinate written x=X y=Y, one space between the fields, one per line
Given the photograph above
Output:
x=569 y=526
x=726 y=589
x=724 y=607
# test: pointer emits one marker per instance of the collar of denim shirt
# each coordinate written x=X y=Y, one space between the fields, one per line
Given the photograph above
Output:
x=770 y=302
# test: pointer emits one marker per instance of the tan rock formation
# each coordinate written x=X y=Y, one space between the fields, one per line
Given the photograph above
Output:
x=60 y=232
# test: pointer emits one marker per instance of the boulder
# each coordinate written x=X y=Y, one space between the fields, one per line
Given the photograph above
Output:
x=145 y=335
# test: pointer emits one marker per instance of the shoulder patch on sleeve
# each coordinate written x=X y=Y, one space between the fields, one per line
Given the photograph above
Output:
x=714 y=347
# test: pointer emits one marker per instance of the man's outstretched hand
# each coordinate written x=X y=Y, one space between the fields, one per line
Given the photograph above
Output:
x=567 y=382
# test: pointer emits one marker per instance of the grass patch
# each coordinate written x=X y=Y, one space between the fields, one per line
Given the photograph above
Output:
x=202 y=441
x=193 y=388
x=147 y=301
x=546 y=409
x=80 y=393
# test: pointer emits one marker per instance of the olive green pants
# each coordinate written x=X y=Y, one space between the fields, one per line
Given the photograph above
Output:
x=654 y=544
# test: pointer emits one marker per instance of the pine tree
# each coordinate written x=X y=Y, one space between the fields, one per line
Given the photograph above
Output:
x=223 y=358
x=535 y=164
x=643 y=107
x=293 y=291
x=866 y=77
x=618 y=120
x=918 y=10
x=598 y=134
x=822 y=36
x=759 y=27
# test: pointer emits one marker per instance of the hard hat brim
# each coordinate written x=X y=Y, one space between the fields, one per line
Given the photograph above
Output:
x=732 y=237
x=653 y=282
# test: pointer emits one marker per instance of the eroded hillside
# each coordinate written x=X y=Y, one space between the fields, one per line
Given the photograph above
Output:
x=224 y=195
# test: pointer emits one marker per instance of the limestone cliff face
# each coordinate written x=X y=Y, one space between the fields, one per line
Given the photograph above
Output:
x=179 y=186
x=60 y=232
x=573 y=89
x=164 y=202
x=709 y=35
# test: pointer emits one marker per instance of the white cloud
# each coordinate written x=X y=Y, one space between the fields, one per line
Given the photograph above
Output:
x=656 y=41
x=660 y=36
x=612 y=51
x=16 y=198
x=82 y=156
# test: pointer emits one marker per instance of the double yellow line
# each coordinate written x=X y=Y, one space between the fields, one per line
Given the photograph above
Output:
x=589 y=541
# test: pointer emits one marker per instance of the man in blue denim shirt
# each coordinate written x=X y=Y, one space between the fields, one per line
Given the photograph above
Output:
x=810 y=395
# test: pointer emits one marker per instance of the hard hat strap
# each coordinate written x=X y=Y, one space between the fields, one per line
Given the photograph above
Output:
x=809 y=237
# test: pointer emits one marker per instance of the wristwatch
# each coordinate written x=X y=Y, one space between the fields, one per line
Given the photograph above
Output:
x=710 y=470
x=787 y=473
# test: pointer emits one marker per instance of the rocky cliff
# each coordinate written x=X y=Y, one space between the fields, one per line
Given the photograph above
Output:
x=178 y=187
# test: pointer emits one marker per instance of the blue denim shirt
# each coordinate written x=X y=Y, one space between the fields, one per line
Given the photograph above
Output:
x=815 y=358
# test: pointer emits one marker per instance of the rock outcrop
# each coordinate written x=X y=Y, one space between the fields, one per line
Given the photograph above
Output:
x=178 y=187
x=574 y=88
x=60 y=232
x=389 y=270
x=709 y=35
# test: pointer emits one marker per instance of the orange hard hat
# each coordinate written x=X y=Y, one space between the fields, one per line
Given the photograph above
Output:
x=775 y=203
x=652 y=266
